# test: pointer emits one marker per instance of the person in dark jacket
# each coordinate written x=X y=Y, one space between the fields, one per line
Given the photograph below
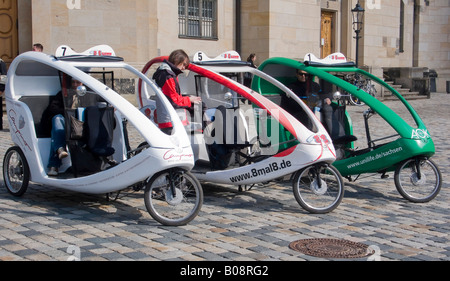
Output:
x=55 y=119
x=166 y=77
x=312 y=95
x=3 y=72
x=247 y=75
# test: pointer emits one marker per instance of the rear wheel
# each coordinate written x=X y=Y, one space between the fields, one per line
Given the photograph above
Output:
x=319 y=188
x=16 y=173
x=418 y=180
x=355 y=101
x=173 y=197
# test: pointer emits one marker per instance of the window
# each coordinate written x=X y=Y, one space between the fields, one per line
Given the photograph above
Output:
x=197 y=19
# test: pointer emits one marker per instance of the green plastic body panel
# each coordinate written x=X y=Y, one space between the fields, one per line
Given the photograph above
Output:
x=411 y=143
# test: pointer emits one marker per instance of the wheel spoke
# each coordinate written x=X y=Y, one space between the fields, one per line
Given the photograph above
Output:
x=174 y=199
x=15 y=172
x=318 y=189
x=415 y=186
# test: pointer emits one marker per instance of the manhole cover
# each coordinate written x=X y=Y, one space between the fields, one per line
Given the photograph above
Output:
x=331 y=248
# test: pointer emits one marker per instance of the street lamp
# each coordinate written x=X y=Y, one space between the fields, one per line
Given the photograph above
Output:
x=358 y=13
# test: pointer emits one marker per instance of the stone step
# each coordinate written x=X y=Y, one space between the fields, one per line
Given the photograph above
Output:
x=395 y=86
x=416 y=97
x=405 y=92
x=407 y=95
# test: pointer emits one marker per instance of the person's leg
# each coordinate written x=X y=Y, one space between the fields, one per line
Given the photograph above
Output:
x=1 y=109
x=327 y=118
x=58 y=141
x=167 y=131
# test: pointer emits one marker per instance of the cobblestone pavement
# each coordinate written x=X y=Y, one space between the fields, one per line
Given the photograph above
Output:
x=50 y=224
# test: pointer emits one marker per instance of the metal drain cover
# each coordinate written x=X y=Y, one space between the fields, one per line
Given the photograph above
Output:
x=331 y=248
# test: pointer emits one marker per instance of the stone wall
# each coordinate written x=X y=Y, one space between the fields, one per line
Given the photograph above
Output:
x=284 y=28
x=137 y=30
x=434 y=39
x=142 y=29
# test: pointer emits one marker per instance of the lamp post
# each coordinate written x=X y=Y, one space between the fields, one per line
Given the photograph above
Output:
x=358 y=13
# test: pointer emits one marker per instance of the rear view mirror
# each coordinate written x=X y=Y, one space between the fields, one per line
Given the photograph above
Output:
x=81 y=91
x=337 y=95
x=228 y=96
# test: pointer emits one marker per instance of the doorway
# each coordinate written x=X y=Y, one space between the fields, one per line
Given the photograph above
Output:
x=8 y=30
x=327 y=34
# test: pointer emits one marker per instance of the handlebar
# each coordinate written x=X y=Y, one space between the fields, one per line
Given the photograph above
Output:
x=368 y=112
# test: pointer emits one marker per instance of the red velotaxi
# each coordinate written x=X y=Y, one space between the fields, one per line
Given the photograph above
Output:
x=236 y=133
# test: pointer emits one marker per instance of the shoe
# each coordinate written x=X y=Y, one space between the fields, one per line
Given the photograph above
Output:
x=53 y=172
x=62 y=153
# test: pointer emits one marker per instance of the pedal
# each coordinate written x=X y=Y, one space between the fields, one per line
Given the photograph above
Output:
x=113 y=163
x=245 y=188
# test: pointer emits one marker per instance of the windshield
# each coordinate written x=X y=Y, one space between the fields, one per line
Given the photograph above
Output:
x=402 y=121
x=384 y=92
x=214 y=94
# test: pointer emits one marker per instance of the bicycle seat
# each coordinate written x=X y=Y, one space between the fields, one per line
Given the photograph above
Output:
x=344 y=140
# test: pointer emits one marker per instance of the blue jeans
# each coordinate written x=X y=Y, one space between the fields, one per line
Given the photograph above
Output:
x=58 y=140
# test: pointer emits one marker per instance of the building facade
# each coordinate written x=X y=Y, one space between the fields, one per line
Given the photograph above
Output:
x=395 y=34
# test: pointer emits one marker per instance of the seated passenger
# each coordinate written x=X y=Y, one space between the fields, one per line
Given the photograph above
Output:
x=312 y=95
x=55 y=119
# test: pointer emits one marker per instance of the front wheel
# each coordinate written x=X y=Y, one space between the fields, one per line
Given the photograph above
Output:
x=173 y=197
x=319 y=188
x=16 y=173
x=418 y=180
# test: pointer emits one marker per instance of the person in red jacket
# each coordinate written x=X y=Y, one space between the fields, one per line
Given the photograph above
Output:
x=166 y=77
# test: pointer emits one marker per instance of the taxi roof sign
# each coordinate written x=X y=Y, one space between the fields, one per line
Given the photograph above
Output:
x=226 y=56
x=331 y=59
x=336 y=59
x=100 y=50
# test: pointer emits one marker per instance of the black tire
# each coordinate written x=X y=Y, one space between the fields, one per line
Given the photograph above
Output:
x=315 y=198
x=16 y=173
x=414 y=189
x=355 y=101
x=372 y=90
x=167 y=209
